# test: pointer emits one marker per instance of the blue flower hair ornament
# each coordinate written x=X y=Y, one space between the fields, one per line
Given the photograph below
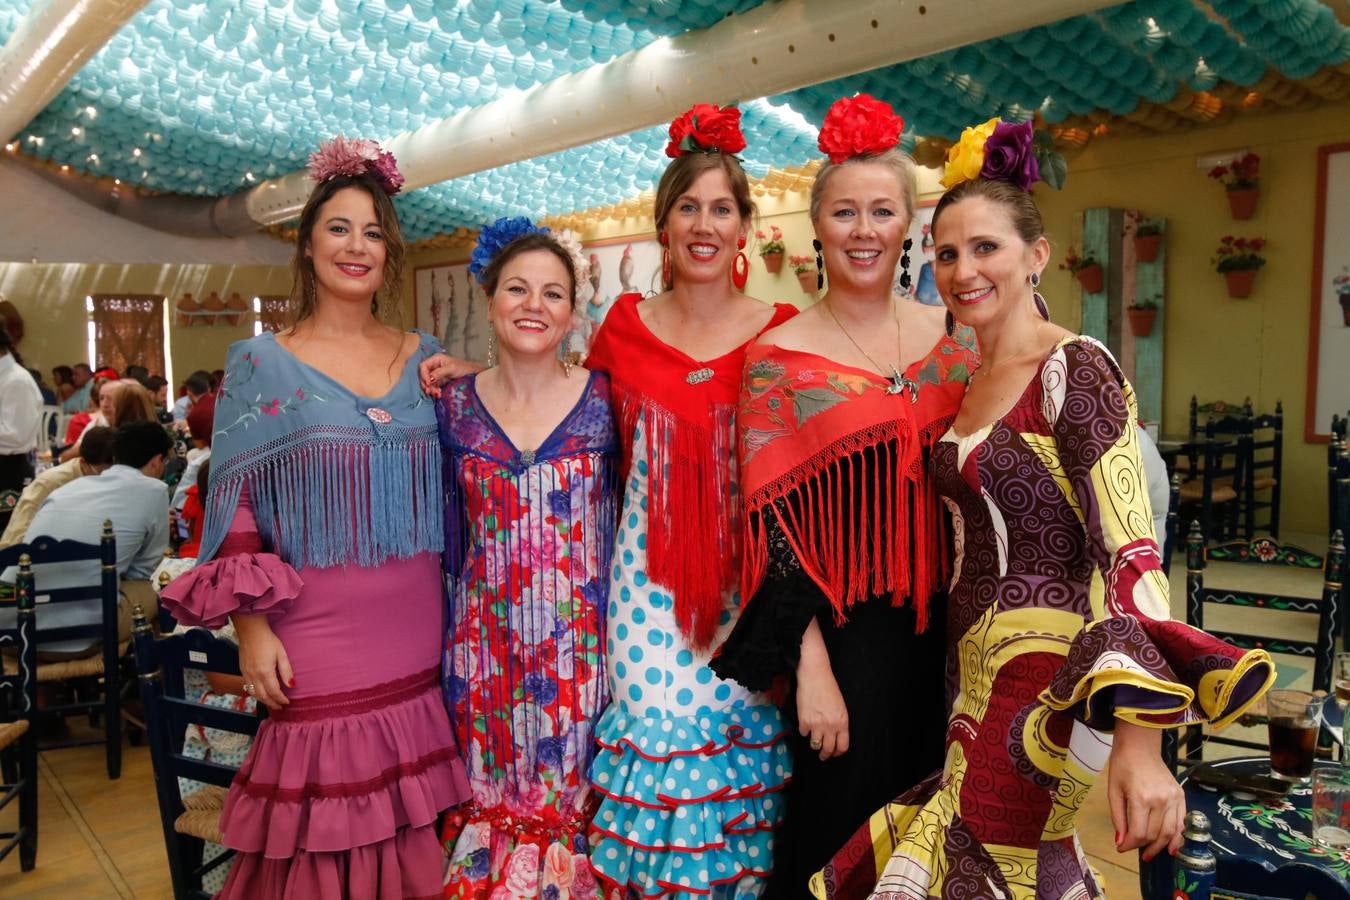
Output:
x=496 y=236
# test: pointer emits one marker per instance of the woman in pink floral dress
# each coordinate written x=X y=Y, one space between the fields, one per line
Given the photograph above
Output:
x=530 y=513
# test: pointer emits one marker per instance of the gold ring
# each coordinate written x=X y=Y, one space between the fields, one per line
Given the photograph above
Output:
x=816 y=745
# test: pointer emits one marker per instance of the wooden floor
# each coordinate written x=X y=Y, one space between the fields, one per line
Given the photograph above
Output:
x=101 y=838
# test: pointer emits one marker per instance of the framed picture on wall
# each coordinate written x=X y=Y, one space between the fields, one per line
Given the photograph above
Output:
x=453 y=307
x=1329 y=332
x=921 y=255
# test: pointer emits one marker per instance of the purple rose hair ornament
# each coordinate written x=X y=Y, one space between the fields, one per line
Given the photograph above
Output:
x=1009 y=155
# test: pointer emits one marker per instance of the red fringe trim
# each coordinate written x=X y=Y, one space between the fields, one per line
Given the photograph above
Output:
x=904 y=552
x=692 y=533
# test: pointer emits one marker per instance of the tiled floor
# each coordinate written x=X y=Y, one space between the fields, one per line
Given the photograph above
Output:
x=102 y=839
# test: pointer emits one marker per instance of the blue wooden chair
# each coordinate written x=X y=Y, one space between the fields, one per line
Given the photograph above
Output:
x=187 y=825
x=18 y=726
x=100 y=674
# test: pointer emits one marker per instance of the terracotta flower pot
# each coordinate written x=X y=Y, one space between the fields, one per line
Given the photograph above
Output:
x=237 y=307
x=773 y=262
x=185 y=311
x=1146 y=247
x=1091 y=278
x=1345 y=308
x=1240 y=282
x=1242 y=202
x=1141 y=321
x=807 y=280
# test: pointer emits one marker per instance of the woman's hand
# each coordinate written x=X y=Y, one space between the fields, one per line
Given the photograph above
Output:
x=821 y=714
x=1148 y=807
x=439 y=368
x=263 y=660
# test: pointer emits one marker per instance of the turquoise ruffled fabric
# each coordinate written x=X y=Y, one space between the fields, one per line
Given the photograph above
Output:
x=719 y=781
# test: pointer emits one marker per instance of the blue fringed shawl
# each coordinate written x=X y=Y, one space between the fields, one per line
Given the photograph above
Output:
x=332 y=478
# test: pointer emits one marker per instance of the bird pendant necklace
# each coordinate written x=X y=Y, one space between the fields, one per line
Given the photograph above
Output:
x=898 y=380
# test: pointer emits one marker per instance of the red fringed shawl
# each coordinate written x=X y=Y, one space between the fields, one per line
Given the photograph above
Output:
x=692 y=533
x=811 y=427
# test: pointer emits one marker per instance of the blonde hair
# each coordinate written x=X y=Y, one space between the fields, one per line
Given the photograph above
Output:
x=132 y=403
x=895 y=159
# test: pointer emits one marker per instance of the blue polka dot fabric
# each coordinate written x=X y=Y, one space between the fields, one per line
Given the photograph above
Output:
x=689 y=768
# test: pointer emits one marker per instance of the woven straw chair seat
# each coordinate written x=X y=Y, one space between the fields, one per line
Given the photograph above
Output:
x=12 y=731
x=86 y=667
x=210 y=797
x=200 y=823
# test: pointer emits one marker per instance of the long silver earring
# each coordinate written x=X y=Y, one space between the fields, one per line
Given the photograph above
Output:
x=492 y=345
x=1041 y=306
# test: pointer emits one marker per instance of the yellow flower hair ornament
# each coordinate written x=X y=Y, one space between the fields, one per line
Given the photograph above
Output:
x=1004 y=151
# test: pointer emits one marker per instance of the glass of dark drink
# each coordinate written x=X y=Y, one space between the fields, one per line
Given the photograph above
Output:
x=1295 y=717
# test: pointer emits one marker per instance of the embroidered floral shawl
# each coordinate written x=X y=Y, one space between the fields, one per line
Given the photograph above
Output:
x=692 y=535
x=807 y=429
x=332 y=478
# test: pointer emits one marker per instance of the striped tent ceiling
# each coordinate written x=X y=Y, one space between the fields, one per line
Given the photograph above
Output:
x=206 y=97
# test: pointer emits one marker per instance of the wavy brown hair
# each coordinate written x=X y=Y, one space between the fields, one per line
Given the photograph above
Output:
x=302 y=267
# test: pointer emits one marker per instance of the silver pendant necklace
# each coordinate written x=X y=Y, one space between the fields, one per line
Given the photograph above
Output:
x=898 y=380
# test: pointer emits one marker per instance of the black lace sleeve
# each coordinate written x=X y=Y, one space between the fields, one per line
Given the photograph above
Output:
x=767 y=640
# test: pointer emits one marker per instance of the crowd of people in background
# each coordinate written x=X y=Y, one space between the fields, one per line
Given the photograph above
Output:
x=115 y=449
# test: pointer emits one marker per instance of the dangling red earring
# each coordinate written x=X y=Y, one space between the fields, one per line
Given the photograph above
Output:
x=740 y=266
x=666 y=281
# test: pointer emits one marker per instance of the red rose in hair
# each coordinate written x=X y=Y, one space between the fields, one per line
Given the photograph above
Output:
x=859 y=126
x=706 y=128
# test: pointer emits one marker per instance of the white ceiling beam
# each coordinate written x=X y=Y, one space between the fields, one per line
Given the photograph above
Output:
x=771 y=49
x=51 y=44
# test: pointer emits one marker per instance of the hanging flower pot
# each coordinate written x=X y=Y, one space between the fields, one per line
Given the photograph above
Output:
x=1240 y=282
x=1141 y=319
x=808 y=281
x=1242 y=202
x=1146 y=247
x=1345 y=309
x=1091 y=277
x=773 y=262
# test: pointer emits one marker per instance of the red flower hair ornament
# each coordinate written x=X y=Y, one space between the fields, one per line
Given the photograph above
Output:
x=706 y=128
x=859 y=126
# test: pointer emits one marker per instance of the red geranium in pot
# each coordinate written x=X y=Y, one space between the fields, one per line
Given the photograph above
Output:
x=1237 y=260
x=1086 y=269
x=1239 y=180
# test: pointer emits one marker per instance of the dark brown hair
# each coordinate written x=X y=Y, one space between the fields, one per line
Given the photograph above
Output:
x=302 y=267
x=684 y=170
x=492 y=273
x=1022 y=210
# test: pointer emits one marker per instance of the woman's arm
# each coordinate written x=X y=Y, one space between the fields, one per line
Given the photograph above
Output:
x=438 y=368
x=822 y=714
x=1148 y=806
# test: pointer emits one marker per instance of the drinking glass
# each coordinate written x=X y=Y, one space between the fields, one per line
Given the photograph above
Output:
x=1295 y=717
x=1331 y=806
x=1340 y=679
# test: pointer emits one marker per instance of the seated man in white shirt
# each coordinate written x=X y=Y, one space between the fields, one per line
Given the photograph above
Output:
x=132 y=497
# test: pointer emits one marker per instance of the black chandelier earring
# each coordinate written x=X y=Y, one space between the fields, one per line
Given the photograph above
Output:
x=820 y=263
x=905 y=280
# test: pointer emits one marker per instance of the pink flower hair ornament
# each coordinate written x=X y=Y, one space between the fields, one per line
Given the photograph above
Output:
x=353 y=157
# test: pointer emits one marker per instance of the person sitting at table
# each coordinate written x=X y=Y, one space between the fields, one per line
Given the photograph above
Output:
x=198 y=385
x=81 y=380
x=192 y=514
x=131 y=496
x=199 y=420
x=95 y=456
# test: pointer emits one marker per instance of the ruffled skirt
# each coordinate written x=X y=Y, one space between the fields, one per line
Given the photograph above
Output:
x=688 y=804
x=339 y=796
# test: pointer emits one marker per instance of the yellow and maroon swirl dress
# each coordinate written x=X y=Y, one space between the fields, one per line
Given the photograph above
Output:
x=1058 y=624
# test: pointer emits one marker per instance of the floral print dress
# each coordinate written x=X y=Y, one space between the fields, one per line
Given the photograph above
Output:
x=529 y=536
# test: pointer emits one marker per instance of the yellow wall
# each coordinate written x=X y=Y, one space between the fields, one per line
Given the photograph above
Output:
x=1219 y=348
x=1216 y=347
x=50 y=298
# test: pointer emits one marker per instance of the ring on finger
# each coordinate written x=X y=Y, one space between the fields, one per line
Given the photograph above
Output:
x=816 y=743
x=248 y=688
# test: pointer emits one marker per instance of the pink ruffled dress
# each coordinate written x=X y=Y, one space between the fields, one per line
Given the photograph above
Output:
x=340 y=792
